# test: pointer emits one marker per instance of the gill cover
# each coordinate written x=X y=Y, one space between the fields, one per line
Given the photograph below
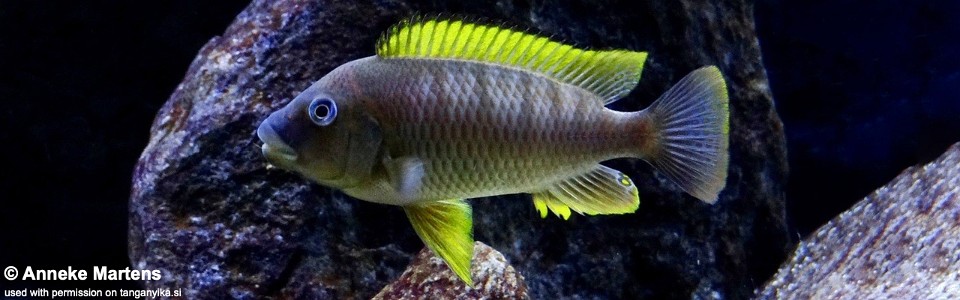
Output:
x=358 y=134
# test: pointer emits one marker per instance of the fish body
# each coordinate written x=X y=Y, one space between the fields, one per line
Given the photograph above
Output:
x=481 y=129
x=448 y=110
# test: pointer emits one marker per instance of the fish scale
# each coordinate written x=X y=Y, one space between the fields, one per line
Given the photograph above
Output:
x=504 y=119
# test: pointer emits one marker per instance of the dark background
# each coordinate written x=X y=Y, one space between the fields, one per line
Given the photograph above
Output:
x=80 y=83
x=865 y=89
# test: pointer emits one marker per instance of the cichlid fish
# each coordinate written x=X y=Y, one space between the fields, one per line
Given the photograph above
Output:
x=449 y=110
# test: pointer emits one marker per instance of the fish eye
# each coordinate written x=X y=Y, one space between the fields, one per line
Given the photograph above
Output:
x=322 y=111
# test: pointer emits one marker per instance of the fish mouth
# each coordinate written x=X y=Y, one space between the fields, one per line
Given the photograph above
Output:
x=274 y=149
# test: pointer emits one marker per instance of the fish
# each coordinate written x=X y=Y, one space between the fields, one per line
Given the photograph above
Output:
x=448 y=110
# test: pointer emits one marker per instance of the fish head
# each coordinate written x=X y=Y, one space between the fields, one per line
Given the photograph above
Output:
x=323 y=134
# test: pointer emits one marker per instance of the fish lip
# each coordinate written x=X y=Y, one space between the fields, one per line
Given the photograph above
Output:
x=274 y=148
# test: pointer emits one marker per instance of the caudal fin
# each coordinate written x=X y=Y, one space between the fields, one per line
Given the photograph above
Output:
x=692 y=125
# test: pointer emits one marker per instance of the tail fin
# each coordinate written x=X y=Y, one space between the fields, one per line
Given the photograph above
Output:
x=692 y=126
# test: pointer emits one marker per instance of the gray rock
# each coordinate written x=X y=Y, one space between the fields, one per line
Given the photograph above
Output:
x=901 y=242
x=206 y=210
x=429 y=277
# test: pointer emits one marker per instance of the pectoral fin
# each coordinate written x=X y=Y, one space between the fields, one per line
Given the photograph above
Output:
x=598 y=192
x=447 y=229
x=406 y=175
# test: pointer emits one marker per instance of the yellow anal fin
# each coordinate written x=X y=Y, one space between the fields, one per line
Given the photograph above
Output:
x=544 y=201
x=599 y=192
x=609 y=74
x=447 y=229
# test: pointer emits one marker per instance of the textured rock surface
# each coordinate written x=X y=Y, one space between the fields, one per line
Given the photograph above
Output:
x=901 y=242
x=207 y=212
x=429 y=277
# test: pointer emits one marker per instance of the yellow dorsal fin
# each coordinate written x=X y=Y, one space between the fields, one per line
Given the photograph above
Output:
x=610 y=74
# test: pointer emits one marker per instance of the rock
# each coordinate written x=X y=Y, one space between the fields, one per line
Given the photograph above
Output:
x=208 y=213
x=429 y=277
x=901 y=242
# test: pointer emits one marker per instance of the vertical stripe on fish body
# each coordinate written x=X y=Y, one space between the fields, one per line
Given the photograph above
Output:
x=482 y=129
